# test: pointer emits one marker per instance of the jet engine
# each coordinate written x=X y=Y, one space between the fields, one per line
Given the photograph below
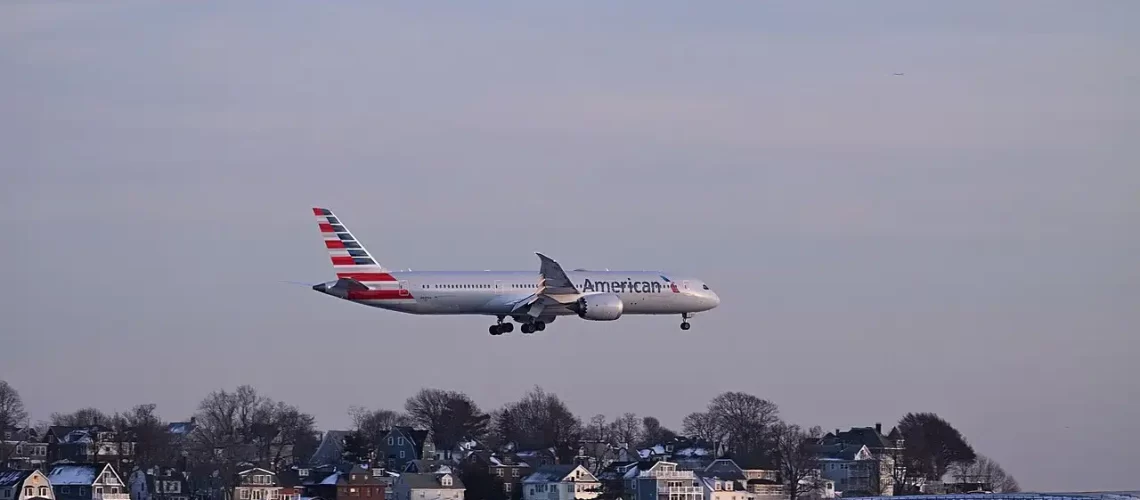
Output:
x=599 y=307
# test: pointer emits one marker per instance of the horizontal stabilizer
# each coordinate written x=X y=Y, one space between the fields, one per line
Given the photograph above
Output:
x=349 y=284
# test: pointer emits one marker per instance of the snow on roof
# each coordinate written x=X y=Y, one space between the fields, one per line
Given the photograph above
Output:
x=550 y=474
x=13 y=477
x=74 y=475
x=332 y=479
x=693 y=452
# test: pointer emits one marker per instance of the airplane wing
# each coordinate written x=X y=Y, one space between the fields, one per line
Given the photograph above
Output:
x=554 y=279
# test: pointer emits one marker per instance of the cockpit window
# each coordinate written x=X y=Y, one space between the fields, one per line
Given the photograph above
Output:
x=706 y=287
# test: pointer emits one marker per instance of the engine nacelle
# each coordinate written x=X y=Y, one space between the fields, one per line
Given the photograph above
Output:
x=600 y=307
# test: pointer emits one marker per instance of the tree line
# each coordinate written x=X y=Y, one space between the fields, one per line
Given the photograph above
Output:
x=243 y=425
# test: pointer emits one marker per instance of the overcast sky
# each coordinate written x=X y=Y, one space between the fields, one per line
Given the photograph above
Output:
x=961 y=239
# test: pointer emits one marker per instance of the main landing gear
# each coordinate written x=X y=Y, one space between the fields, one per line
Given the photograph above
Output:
x=506 y=327
x=501 y=327
x=536 y=326
x=685 y=320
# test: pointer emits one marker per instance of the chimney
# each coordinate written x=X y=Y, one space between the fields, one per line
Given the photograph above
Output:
x=879 y=427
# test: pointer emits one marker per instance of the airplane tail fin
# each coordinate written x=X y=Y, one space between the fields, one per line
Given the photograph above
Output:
x=349 y=258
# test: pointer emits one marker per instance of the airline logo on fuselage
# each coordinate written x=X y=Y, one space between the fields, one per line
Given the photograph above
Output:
x=627 y=286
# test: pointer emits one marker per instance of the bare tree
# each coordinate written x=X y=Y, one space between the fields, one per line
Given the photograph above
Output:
x=85 y=417
x=451 y=416
x=985 y=471
x=293 y=435
x=229 y=425
x=373 y=425
x=540 y=420
x=746 y=422
x=142 y=434
x=627 y=429
x=12 y=417
x=796 y=457
x=653 y=433
x=597 y=439
x=12 y=413
x=703 y=427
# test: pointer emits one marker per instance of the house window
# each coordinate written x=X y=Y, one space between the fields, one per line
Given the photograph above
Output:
x=66 y=490
x=29 y=492
x=244 y=494
x=401 y=441
x=43 y=491
x=390 y=441
x=401 y=453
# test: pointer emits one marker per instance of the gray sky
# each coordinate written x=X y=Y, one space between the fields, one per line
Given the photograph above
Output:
x=960 y=240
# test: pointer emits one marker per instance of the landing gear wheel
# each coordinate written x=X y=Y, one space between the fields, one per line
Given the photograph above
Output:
x=685 y=325
x=527 y=328
x=539 y=325
x=494 y=330
x=685 y=320
x=507 y=327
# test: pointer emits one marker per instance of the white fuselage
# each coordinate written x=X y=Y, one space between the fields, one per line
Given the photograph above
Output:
x=495 y=292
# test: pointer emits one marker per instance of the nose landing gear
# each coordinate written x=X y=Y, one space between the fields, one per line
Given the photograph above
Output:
x=685 y=320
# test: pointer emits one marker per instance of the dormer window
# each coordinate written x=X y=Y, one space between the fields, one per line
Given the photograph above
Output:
x=445 y=480
x=303 y=472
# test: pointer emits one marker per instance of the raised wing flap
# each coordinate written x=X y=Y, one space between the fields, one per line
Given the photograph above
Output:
x=554 y=279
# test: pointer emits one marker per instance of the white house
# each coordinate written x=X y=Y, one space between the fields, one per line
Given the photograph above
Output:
x=716 y=488
x=24 y=485
x=257 y=484
x=87 y=482
x=439 y=485
x=561 y=482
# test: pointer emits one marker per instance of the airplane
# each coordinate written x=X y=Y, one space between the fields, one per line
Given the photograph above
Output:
x=532 y=299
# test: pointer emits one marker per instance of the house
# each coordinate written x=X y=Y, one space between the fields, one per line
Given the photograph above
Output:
x=617 y=478
x=444 y=486
x=885 y=450
x=561 y=482
x=87 y=482
x=510 y=470
x=159 y=484
x=538 y=458
x=460 y=451
x=89 y=444
x=331 y=449
x=402 y=445
x=663 y=481
x=21 y=448
x=725 y=469
x=425 y=466
x=851 y=467
x=315 y=482
x=765 y=484
x=24 y=485
x=716 y=488
x=355 y=483
x=257 y=484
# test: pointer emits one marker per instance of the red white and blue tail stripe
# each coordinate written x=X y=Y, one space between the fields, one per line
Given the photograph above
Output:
x=349 y=258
